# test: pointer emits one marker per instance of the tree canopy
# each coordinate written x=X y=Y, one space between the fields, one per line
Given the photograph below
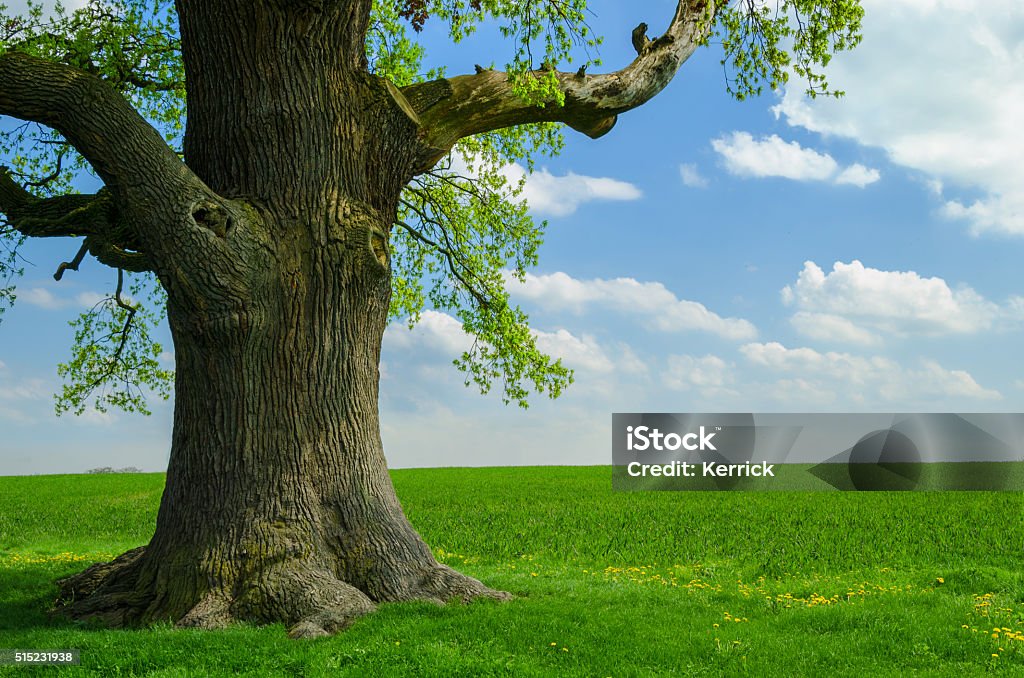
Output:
x=462 y=228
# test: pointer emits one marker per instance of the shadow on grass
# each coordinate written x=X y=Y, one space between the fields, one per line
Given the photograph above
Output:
x=26 y=598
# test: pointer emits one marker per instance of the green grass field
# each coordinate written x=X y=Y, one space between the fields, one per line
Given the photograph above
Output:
x=607 y=584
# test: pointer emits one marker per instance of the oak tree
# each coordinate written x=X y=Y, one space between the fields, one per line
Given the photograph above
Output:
x=279 y=179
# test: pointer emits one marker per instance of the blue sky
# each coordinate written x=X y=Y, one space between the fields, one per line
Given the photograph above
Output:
x=774 y=255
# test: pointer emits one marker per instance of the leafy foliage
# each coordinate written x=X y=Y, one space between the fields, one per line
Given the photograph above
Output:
x=765 y=43
x=114 y=359
x=134 y=46
x=463 y=228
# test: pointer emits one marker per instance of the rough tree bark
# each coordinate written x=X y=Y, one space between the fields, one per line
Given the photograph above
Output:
x=271 y=241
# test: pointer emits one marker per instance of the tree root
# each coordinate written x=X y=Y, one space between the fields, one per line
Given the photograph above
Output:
x=308 y=598
x=441 y=584
x=105 y=593
x=312 y=601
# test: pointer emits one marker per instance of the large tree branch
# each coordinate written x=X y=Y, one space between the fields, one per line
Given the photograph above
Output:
x=452 y=108
x=93 y=216
x=122 y=147
x=148 y=189
x=66 y=215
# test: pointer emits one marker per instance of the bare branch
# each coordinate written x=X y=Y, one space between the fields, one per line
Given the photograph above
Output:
x=73 y=264
x=125 y=333
x=452 y=108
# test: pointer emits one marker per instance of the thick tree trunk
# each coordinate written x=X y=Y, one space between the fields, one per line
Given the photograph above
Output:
x=278 y=505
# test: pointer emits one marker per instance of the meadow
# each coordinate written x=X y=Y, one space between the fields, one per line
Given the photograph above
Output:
x=606 y=583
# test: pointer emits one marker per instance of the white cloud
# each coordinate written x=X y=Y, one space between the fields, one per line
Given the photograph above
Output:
x=20 y=7
x=685 y=371
x=949 y=105
x=873 y=377
x=18 y=398
x=793 y=391
x=90 y=299
x=659 y=307
x=691 y=177
x=562 y=195
x=435 y=330
x=772 y=157
x=93 y=417
x=858 y=175
x=900 y=302
x=828 y=327
x=808 y=362
x=999 y=213
x=25 y=389
x=935 y=380
x=575 y=352
x=3 y=365
x=41 y=297
x=443 y=333
x=554 y=195
x=44 y=298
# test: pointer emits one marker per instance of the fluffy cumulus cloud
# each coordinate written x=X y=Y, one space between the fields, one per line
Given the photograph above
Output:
x=773 y=157
x=441 y=333
x=949 y=106
x=559 y=196
x=833 y=376
x=575 y=352
x=549 y=194
x=435 y=331
x=829 y=327
x=858 y=175
x=656 y=304
x=842 y=303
